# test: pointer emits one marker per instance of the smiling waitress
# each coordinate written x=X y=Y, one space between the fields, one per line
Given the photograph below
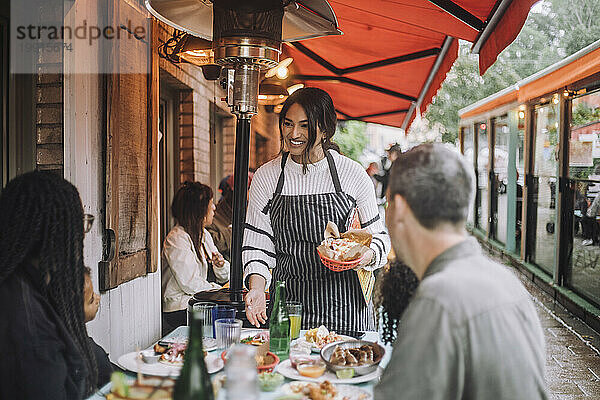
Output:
x=291 y=200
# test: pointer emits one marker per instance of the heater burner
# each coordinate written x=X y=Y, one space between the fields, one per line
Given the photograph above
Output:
x=245 y=38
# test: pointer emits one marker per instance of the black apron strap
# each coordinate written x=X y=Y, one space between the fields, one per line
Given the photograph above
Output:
x=334 y=173
x=280 y=182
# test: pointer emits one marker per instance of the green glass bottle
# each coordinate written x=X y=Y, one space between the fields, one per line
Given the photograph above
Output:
x=194 y=382
x=279 y=323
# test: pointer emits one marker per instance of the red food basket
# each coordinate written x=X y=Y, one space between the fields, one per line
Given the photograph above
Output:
x=339 y=266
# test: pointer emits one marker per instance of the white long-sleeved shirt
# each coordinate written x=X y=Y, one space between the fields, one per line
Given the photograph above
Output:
x=354 y=181
x=183 y=274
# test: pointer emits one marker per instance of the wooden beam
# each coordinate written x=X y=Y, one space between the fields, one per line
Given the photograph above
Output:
x=459 y=13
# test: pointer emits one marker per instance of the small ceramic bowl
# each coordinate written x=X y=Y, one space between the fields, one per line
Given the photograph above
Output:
x=149 y=356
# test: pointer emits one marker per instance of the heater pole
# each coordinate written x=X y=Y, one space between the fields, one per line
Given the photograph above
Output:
x=240 y=200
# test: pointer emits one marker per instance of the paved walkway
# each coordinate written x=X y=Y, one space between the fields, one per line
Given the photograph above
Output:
x=572 y=349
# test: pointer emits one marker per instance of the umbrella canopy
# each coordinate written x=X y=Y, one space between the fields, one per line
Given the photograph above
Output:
x=395 y=54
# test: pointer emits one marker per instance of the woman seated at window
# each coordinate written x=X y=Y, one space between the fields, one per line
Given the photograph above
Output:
x=45 y=350
x=191 y=261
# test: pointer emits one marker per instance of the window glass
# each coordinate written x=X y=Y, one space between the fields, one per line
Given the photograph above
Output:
x=482 y=176
x=543 y=218
x=499 y=205
x=468 y=144
x=584 y=174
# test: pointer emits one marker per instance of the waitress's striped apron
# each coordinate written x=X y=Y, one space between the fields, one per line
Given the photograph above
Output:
x=333 y=299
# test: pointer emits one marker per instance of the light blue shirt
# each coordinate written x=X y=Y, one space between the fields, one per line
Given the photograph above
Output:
x=470 y=332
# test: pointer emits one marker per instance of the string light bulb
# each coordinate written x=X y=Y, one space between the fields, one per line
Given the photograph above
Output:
x=295 y=87
x=521 y=114
x=555 y=99
x=281 y=70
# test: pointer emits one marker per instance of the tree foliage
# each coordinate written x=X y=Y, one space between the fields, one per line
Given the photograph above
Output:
x=352 y=138
x=559 y=28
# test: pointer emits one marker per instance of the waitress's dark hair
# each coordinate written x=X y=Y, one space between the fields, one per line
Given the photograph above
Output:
x=189 y=207
x=41 y=218
x=320 y=112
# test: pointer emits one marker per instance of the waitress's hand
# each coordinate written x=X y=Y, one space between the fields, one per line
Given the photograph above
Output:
x=369 y=256
x=256 y=306
x=217 y=260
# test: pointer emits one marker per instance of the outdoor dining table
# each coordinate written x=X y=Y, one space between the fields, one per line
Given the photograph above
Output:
x=183 y=331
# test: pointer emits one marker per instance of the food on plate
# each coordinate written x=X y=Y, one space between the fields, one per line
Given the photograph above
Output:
x=160 y=349
x=256 y=340
x=347 y=246
x=321 y=336
x=154 y=389
x=352 y=357
x=315 y=391
x=174 y=354
x=312 y=369
x=269 y=381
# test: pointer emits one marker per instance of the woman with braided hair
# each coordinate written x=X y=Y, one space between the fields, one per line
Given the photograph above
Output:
x=45 y=351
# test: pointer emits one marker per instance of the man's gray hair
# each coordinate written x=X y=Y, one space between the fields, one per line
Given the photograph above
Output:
x=436 y=182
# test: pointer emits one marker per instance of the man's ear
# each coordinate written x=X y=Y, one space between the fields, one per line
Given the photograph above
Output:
x=400 y=208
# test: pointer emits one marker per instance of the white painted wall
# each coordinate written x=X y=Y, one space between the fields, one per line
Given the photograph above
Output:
x=130 y=315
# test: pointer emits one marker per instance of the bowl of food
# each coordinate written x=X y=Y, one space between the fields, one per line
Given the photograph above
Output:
x=269 y=381
x=360 y=355
x=301 y=358
x=311 y=369
x=264 y=363
x=150 y=356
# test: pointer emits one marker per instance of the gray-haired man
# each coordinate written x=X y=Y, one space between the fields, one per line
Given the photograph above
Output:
x=471 y=331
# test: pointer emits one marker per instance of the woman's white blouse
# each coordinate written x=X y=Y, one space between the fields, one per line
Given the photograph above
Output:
x=355 y=182
x=183 y=274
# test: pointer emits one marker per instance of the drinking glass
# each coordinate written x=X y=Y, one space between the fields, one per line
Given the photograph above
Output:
x=241 y=382
x=205 y=310
x=220 y=312
x=227 y=331
x=294 y=309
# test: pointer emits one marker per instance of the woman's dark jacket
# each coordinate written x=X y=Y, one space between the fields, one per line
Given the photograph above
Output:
x=38 y=358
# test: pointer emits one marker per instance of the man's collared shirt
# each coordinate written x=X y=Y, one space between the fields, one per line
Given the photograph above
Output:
x=470 y=332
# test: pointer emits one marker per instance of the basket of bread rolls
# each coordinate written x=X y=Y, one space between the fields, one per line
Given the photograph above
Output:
x=343 y=251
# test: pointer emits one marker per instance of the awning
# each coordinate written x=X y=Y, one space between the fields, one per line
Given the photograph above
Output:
x=394 y=54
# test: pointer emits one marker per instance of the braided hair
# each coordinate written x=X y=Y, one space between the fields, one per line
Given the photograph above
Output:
x=41 y=218
x=395 y=287
x=189 y=207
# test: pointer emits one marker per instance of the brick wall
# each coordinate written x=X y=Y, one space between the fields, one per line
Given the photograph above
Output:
x=48 y=101
x=49 y=122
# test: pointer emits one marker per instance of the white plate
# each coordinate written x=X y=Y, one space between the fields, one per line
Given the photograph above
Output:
x=301 y=341
x=130 y=362
x=344 y=392
x=285 y=368
x=208 y=343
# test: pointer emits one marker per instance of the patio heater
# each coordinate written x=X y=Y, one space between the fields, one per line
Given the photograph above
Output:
x=242 y=38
